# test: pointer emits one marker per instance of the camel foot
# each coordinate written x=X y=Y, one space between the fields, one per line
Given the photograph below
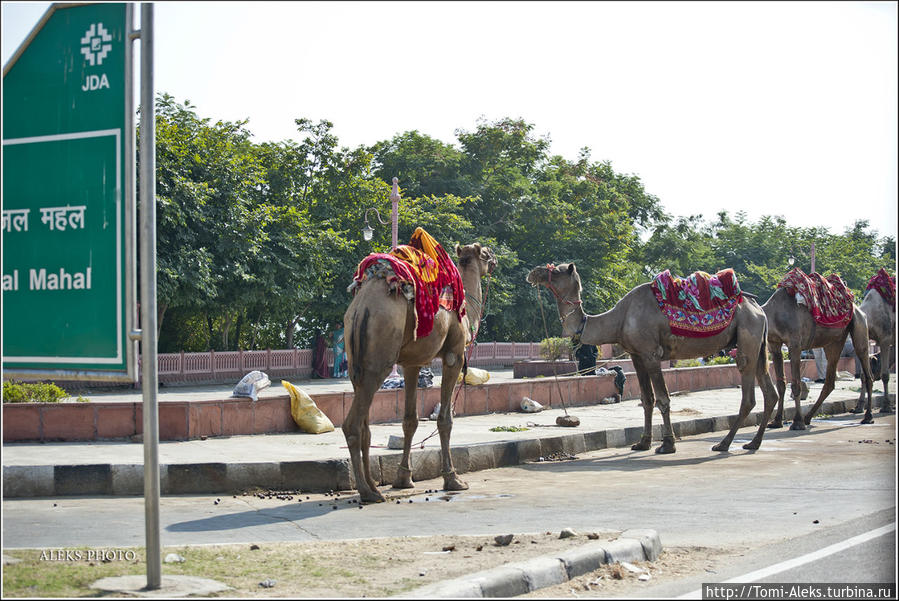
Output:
x=643 y=445
x=869 y=419
x=403 y=481
x=666 y=447
x=776 y=424
x=858 y=410
x=885 y=409
x=797 y=424
x=721 y=447
x=452 y=482
x=374 y=496
x=752 y=445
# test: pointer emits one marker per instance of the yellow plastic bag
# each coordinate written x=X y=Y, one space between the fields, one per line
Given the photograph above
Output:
x=475 y=376
x=305 y=413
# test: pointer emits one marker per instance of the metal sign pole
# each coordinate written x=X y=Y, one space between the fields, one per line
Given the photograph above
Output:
x=394 y=211
x=148 y=298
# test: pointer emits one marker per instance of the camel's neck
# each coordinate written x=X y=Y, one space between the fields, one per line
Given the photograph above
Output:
x=599 y=329
x=474 y=300
x=471 y=282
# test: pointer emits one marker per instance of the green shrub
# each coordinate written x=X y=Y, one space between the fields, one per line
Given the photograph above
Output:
x=36 y=392
x=688 y=363
x=552 y=349
x=720 y=360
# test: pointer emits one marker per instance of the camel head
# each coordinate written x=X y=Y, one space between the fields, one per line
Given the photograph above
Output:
x=482 y=254
x=562 y=280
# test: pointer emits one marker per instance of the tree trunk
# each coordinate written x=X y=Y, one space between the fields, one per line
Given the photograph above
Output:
x=209 y=332
x=288 y=333
x=240 y=321
x=226 y=329
x=160 y=313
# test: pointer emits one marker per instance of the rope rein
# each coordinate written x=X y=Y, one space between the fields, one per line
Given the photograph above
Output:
x=555 y=376
x=474 y=332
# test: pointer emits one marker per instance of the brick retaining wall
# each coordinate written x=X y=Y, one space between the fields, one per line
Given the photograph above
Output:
x=183 y=420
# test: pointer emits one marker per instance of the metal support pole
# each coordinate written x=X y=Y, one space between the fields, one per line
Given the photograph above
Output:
x=394 y=223
x=148 y=298
x=394 y=210
x=813 y=258
x=130 y=197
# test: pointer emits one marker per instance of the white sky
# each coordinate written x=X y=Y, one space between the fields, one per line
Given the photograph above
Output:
x=771 y=108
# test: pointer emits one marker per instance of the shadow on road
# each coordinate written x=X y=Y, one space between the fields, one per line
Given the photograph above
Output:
x=262 y=517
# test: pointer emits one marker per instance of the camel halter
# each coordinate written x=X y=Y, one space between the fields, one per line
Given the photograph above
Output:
x=549 y=284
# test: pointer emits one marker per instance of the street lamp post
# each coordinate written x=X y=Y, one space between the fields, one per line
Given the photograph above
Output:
x=394 y=210
x=368 y=232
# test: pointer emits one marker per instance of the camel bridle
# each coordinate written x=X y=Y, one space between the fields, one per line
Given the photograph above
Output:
x=555 y=292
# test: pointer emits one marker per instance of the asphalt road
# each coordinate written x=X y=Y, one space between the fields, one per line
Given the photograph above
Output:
x=800 y=492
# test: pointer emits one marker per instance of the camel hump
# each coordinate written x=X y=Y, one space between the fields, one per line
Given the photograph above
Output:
x=425 y=268
x=828 y=299
x=700 y=305
x=885 y=285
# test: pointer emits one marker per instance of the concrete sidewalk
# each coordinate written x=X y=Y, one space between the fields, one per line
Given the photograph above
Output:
x=320 y=462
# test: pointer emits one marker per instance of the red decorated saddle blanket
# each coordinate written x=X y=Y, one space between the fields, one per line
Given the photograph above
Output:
x=885 y=284
x=422 y=271
x=828 y=299
x=699 y=305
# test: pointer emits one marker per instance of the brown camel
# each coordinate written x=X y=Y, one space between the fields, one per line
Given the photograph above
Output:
x=792 y=324
x=637 y=324
x=881 y=318
x=379 y=328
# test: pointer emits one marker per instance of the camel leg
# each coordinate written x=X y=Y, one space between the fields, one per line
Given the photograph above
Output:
x=746 y=364
x=777 y=359
x=795 y=386
x=887 y=353
x=771 y=396
x=452 y=365
x=410 y=424
x=647 y=399
x=663 y=401
x=832 y=353
x=358 y=438
x=859 y=334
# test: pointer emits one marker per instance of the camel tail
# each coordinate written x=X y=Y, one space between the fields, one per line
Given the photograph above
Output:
x=356 y=336
x=763 y=349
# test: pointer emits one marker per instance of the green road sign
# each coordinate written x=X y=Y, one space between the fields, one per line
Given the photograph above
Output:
x=65 y=124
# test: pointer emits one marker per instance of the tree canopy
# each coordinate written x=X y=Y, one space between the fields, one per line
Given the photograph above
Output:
x=257 y=242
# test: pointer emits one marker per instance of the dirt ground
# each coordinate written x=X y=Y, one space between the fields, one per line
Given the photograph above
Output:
x=385 y=567
x=620 y=580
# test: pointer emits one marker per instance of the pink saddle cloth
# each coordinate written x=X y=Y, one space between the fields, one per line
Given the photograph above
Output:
x=700 y=305
x=885 y=284
x=828 y=299
x=425 y=267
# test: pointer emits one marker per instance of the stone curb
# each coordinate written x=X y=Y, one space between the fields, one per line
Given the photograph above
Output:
x=523 y=577
x=336 y=474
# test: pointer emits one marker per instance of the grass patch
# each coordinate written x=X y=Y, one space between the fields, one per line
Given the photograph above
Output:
x=42 y=573
x=858 y=389
x=508 y=429
x=35 y=392
x=46 y=573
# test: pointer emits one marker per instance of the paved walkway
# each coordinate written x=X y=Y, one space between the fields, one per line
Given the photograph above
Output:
x=320 y=462
x=215 y=392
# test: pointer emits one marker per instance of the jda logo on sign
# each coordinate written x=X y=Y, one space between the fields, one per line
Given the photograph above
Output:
x=95 y=45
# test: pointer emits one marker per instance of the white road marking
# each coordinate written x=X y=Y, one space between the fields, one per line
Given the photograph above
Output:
x=801 y=560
